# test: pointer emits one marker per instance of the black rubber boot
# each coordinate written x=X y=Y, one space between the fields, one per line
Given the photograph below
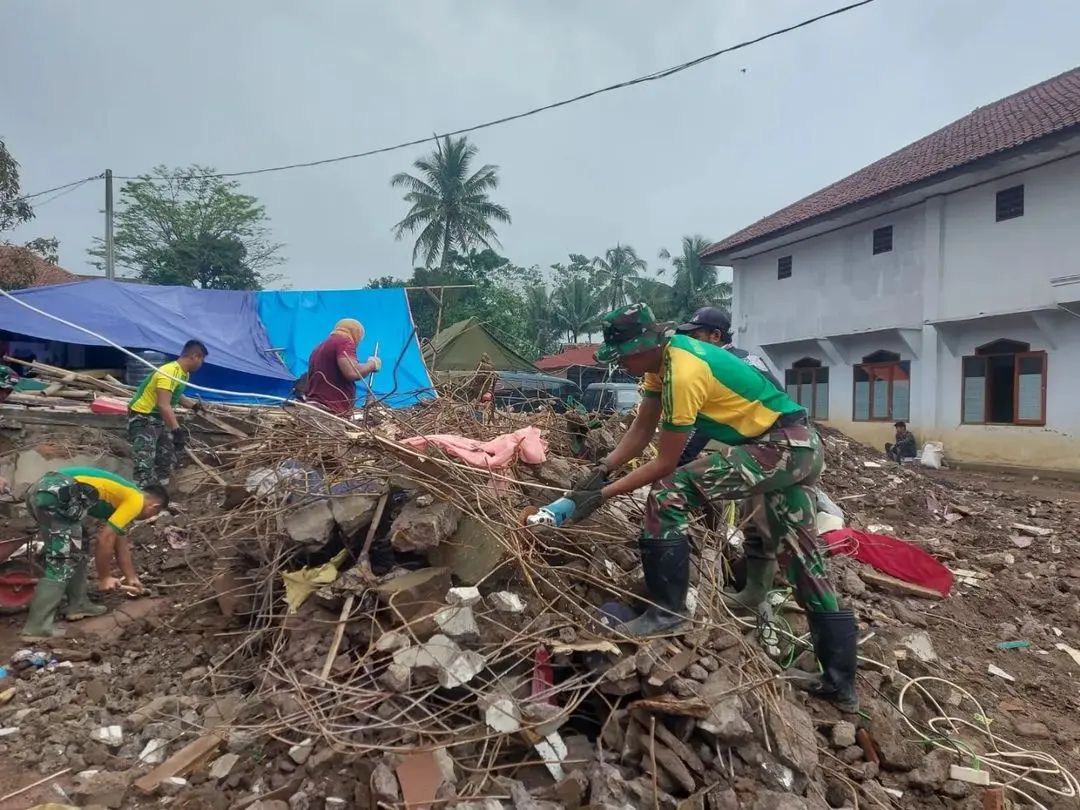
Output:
x=759 y=579
x=835 y=637
x=666 y=564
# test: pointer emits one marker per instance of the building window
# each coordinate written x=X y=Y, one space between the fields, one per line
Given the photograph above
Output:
x=807 y=382
x=1010 y=203
x=783 y=267
x=882 y=239
x=882 y=388
x=1004 y=383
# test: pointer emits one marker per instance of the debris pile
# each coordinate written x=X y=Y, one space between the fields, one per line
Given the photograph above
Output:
x=349 y=621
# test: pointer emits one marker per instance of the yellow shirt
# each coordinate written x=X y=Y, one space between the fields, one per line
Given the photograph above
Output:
x=120 y=501
x=145 y=398
x=705 y=387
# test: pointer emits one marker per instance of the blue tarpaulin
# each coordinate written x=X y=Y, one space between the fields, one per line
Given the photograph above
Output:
x=143 y=316
x=297 y=321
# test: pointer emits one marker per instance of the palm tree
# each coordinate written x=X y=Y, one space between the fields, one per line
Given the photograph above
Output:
x=695 y=283
x=540 y=321
x=576 y=308
x=450 y=209
x=618 y=273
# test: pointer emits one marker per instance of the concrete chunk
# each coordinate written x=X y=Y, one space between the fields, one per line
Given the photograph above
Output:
x=311 y=524
x=506 y=602
x=420 y=528
x=472 y=553
x=111 y=736
x=457 y=622
x=153 y=752
x=353 y=512
x=221 y=767
x=463 y=597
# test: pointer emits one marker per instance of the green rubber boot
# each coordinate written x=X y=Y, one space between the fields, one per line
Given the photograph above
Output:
x=39 y=624
x=760 y=573
x=79 y=605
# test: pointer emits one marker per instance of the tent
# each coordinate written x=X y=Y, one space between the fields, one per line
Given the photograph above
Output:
x=142 y=316
x=461 y=346
x=298 y=320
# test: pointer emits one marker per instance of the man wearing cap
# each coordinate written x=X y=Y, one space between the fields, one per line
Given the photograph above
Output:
x=769 y=449
x=905 y=443
x=712 y=325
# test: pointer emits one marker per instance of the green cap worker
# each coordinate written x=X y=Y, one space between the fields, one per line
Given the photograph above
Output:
x=769 y=450
x=59 y=502
x=153 y=429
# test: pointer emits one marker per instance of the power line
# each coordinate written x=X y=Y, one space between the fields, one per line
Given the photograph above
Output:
x=649 y=77
x=60 y=188
x=66 y=190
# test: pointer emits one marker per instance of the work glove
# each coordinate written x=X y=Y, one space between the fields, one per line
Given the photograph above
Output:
x=591 y=478
x=179 y=440
x=586 y=501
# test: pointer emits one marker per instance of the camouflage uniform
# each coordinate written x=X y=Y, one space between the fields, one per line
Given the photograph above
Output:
x=152 y=448
x=58 y=504
x=781 y=466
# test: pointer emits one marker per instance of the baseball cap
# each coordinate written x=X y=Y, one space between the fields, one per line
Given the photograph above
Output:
x=707 y=318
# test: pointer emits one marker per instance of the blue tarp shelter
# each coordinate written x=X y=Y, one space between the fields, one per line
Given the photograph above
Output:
x=297 y=321
x=139 y=316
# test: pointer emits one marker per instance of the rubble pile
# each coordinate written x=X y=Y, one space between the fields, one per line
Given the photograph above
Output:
x=467 y=662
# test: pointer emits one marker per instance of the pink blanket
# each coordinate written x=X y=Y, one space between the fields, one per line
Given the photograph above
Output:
x=525 y=444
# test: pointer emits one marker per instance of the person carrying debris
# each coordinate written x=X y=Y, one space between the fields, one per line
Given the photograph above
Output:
x=905 y=444
x=59 y=502
x=333 y=369
x=153 y=429
x=713 y=325
x=770 y=450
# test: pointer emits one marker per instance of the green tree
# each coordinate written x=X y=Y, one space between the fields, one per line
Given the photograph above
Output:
x=618 y=273
x=694 y=283
x=193 y=230
x=450 y=209
x=576 y=308
x=14 y=211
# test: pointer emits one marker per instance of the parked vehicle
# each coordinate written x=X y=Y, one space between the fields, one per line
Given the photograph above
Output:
x=611 y=397
x=522 y=392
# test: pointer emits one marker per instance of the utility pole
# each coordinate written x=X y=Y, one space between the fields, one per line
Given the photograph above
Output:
x=110 y=258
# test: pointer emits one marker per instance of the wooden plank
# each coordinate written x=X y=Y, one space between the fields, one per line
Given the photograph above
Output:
x=223 y=426
x=182 y=762
x=203 y=466
x=339 y=633
x=898 y=586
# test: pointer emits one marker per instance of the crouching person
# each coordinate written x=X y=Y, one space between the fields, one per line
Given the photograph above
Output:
x=59 y=503
x=770 y=451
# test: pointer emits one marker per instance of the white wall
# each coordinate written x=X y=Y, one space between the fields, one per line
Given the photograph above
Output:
x=992 y=267
x=836 y=286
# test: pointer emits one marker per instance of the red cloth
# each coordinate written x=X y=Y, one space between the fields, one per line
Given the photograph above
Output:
x=326 y=384
x=891 y=556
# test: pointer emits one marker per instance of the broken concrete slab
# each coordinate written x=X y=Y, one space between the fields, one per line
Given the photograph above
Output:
x=310 y=524
x=112 y=736
x=458 y=622
x=421 y=528
x=384 y=785
x=725 y=719
x=110 y=625
x=793 y=731
x=221 y=767
x=463 y=597
x=353 y=512
x=471 y=553
x=153 y=753
x=506 y=602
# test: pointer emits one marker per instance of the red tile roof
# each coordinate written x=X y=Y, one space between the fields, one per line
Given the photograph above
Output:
x=1045 y=109
x=581 y=355
x=20 y=268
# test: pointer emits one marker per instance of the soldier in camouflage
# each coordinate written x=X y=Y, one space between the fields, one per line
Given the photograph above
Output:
x=770 y=453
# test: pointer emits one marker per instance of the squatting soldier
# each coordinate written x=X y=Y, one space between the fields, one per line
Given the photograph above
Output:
x=153 y=429
x=769 y=450
x=59 y=502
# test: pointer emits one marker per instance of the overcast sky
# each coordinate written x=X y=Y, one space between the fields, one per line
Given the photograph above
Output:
x=127 y=84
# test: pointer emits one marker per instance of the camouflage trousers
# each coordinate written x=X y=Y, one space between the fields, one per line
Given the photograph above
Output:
x=776 y=471
x=58 y=507
x=152 y=448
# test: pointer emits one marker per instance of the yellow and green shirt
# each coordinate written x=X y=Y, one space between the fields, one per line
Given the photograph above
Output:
x=119 y=502
x=703 y=387
x=164 y=379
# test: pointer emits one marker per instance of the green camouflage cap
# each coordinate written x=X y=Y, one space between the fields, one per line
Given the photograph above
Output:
x=8 y=378
x=628 y=330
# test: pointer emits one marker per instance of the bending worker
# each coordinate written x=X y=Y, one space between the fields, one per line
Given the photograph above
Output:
x=769 y=450
x=333 y=368
x=59 y=502
x=153 y=429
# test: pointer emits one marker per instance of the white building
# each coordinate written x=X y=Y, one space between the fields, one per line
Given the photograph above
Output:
x=940 y=285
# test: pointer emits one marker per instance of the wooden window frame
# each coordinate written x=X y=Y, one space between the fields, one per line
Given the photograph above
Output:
x=884 y=230
x=870 y=369
x=813 y=373
x=1017 y=357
